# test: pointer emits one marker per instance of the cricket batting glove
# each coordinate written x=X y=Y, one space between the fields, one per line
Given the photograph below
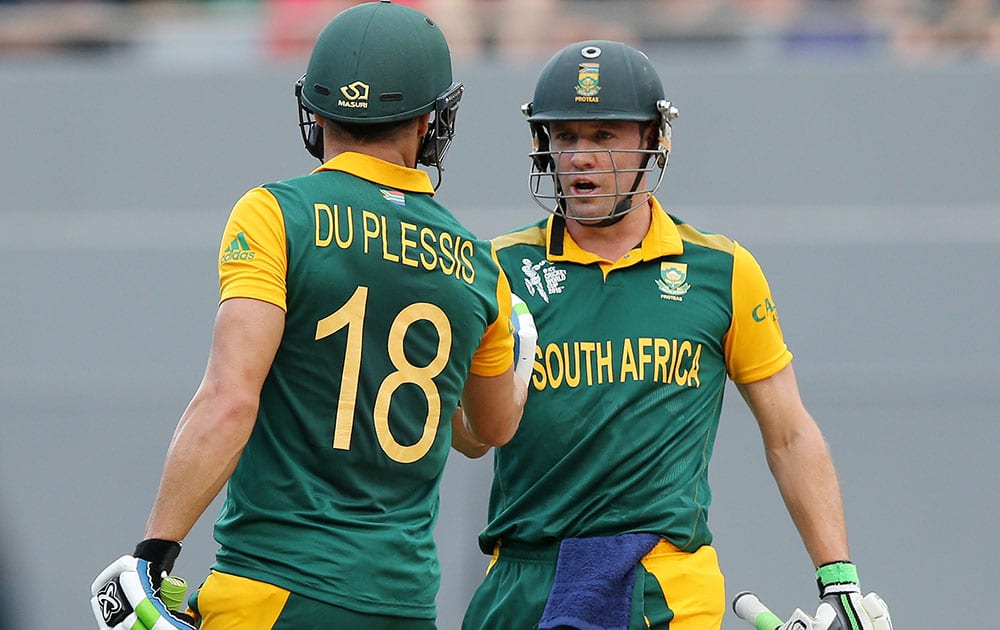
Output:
x=525 y=338
x=843 y=607
x=801 y=621
x=129 y=594
x=749 y=608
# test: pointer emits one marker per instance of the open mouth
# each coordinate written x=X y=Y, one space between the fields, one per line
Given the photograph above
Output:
x=583 y=187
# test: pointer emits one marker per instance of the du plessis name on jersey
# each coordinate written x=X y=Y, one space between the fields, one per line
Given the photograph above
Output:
x=397 y=241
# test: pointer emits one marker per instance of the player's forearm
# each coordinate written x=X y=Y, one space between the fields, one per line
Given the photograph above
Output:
x=493 y=406
x=462 y=438
x=806 y=477
x=202 y=456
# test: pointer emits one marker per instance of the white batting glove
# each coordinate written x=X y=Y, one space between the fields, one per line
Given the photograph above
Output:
x=872 y=614
x=840 y=591
x=801 y=621
x=112 y=607
x=525 y=338
x=123 y=598
x=827 y=619
x=878 y=611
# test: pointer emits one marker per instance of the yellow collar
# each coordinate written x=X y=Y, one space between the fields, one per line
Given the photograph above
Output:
x=661 y=240
x=380 y=172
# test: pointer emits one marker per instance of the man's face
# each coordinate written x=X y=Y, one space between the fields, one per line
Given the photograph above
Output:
x=596 y=163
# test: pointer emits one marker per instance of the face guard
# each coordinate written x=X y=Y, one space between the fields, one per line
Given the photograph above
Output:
x=548 y=193
x=441 y=131
x=599 y=80
x=312 y=135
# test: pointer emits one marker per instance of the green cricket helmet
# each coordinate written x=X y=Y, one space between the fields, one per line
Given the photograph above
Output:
x=598 y=80
x=380 y=62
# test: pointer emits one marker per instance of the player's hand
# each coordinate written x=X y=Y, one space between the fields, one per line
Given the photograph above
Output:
x=801 y=621
x=749 y=608
x=843 y=607
x=525 y=338
x=127 y=594
x=160 y=554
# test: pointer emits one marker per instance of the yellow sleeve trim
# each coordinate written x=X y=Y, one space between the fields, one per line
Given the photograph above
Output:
x=495 y=354
x=754 y=345
x=253 y=258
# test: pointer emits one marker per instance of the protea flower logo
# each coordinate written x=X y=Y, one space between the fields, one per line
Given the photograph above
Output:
x=589 y=79
x=673 y=280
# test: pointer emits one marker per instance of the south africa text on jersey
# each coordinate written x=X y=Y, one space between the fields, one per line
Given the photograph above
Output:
x=571 y=364
x=396 y=241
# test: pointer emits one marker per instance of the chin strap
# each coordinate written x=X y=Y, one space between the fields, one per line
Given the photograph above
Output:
x=439 y=175
x=617 y=213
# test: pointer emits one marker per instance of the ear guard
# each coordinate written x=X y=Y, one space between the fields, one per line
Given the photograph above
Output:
x=312 y=133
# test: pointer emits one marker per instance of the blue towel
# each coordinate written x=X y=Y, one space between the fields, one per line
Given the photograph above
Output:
x=594 y=579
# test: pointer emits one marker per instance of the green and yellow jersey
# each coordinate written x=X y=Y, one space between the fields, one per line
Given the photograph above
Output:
x=628 y=380
x=389 y=304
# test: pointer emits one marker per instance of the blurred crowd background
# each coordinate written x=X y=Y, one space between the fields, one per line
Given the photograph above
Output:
x=912 y=31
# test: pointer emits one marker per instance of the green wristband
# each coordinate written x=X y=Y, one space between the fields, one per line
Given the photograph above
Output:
x=837 y=573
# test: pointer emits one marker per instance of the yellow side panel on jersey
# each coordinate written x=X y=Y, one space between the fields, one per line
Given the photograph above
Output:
x=692 y=585
x=495 y=354
x=253 y=259
x=532 y=235
x=755 y=347
x=231 y=602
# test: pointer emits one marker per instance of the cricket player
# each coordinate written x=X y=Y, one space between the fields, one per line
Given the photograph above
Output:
x=356 y=313
x=598 y=516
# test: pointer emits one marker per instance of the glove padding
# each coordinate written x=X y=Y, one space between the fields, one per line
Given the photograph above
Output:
x=843 y=607
x=872 y=614
x=125 y=596
x=525 y=337
x=801 y=621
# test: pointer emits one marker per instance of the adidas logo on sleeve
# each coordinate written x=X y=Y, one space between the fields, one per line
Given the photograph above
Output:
x=239 y=249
